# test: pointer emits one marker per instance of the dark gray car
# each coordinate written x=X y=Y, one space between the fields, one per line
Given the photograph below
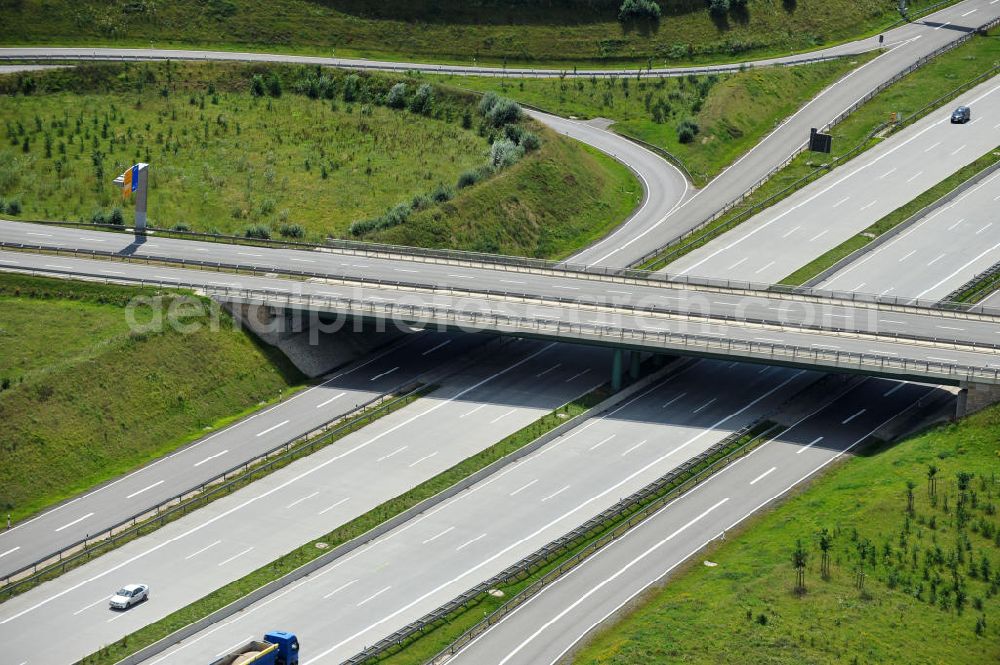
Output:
x=961 y=115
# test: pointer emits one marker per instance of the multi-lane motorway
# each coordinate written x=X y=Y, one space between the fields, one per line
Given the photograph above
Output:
x=109 y=504
x=551 y=623
x=827 y=212
x=407 y=572
x=474 y=408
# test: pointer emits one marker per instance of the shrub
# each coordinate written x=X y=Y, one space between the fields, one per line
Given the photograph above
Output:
x=397 y=96
x=513 y=132
x=504 y=153
x=639 y=9
x=467 y=179
x=258 y=231
x=487 y=103
x=718 y=8
x=98 y=217
x=352 y=88
x=291 y=231
x=395 y=216
x=116 y=217
x=273 y=84
x=530 y=141
x=504 y=112
x=180 y=227
x=442 y=193
x=686 y=131
x=466 y=120
x=423 y=101
x=257 y=85
x=13 y=207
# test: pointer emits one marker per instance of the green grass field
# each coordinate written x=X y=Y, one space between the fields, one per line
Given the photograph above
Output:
x=930 y=575
x=732 y=111
x=84 y=399
x=560 y=32
x=225 y=161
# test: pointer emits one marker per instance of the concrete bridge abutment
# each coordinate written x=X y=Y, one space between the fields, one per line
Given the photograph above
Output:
x=975 y=397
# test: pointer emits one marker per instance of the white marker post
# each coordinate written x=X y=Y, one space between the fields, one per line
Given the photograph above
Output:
x=136 y=180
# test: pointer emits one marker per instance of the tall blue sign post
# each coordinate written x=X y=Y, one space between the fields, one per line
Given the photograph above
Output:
x=135 y=181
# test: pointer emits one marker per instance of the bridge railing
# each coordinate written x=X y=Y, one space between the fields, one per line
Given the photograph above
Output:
x=817 y=296
x=581 y=304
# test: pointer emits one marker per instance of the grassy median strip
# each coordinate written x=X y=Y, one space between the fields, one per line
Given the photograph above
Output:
x=424 y=646
x=356 y=527
x=890 y=221
x=980 y=289
x=853 y=136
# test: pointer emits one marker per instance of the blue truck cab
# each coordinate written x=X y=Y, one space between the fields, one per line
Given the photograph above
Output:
x=277 y=648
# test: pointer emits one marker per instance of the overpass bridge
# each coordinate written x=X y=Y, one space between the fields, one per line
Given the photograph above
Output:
x=628 y=310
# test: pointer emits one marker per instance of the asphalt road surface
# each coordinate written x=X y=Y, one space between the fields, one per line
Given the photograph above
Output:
x=400 y=576
x=547 y=626
x=882 y=353
x=253 y=526
x=953 y=243
x=822 y=215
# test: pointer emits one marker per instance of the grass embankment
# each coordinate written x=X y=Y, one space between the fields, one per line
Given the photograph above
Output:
x=493 y=31
x=84 y=399
x=890 y=221
x=929 y=576
x=330 y=151
x=731 y=112
x=358 y=526
x=908 y=95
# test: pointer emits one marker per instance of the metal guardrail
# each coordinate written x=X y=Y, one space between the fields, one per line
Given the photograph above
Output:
x=638 y=506
x=715 y=232
x=980 y=285
x=306 y=300
x=751 y=289
x=521 y=265
x=183 y=502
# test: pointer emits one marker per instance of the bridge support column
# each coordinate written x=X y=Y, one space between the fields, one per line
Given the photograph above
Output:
x=616 y=370
x=976 y=397
x=633 y=365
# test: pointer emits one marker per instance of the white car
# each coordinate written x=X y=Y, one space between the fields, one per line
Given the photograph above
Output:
x=129 y=595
